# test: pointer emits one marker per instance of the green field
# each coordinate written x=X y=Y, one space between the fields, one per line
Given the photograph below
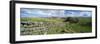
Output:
x=55 y=26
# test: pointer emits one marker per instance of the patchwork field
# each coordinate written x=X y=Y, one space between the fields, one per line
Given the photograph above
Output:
x=41 y=26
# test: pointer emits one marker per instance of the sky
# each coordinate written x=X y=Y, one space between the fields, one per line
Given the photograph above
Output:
x=35 y=12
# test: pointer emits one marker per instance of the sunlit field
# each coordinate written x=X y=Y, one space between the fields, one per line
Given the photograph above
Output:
x=55 y=25
x=41 y=21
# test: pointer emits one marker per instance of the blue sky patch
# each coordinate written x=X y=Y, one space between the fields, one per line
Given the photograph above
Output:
x=33 y=12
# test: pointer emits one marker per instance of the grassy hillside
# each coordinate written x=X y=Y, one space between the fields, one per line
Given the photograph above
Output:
x=55 y=26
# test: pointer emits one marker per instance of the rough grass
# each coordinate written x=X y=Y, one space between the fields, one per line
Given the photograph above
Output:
x=57 y=26
x=41 y=19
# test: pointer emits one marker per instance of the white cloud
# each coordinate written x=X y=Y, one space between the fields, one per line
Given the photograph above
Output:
x=52 y=12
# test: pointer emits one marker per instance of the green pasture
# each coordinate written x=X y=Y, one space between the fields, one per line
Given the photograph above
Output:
x=57 y=26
